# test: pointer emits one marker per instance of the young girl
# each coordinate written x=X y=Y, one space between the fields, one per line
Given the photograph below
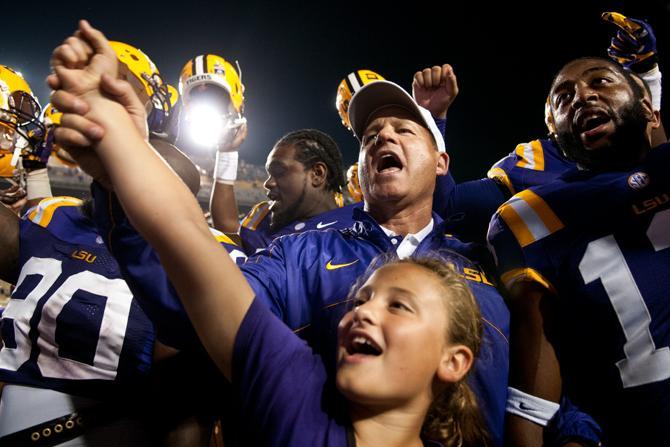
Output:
x=403 y=351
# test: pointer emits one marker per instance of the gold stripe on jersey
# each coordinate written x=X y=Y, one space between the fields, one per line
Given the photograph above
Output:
x=529 y=217
x=256 y=215
x=221 y=237
x=531 y=155
x=496 y=173
x=44 y=211
x=525 y=274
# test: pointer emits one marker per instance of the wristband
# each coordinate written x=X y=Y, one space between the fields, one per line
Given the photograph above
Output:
x=530 y=407
x=225 y=169
x=653 y=80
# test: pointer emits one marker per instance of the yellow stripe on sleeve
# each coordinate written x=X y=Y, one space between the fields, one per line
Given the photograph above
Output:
x=221 y=238
x=525 y=274
x=516 y=224
x=500 y=174
x=531 y=155
x=45 y=210
x=538 y=155
x=529 y=217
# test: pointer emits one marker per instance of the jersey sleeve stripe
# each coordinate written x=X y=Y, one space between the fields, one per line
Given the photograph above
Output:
x=516 y=223
x=221 y=238
x=256 y=215
x=525 y=153
x=44 y=212
x=500 y=174
x=525 y=274
x=531 y=155
x=529 y=218
x=538 y=155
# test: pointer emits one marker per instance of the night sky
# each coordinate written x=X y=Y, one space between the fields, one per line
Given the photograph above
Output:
x=293 y=55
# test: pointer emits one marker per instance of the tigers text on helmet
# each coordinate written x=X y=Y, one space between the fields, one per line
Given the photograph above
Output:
x=210 y=69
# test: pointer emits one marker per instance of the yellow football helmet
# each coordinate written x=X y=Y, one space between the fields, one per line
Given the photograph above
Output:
x=20 y=126
x=140 y=71
x=350 y=85
x=210 y=69
x=353 y=184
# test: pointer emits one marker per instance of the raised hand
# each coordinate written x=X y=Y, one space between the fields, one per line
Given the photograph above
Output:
x=634 y=44
x=435 y=89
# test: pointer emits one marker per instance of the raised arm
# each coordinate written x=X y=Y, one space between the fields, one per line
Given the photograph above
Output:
x=214 y=292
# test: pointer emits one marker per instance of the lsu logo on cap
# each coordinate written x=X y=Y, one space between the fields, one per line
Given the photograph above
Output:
x=639 y=180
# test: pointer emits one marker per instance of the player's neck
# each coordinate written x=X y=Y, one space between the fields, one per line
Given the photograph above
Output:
x=402 y=220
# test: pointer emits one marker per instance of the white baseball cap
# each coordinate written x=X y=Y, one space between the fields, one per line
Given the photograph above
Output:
x=379 y=94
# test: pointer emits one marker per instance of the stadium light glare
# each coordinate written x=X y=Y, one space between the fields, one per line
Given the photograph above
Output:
x=206 y=125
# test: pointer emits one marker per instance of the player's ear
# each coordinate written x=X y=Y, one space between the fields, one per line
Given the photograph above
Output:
x=318 y=174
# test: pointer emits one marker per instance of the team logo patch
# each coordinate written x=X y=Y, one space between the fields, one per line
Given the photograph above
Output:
x=639 y=180
x=219 y=69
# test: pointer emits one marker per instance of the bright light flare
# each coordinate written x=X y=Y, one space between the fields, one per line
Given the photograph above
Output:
x=206 y=125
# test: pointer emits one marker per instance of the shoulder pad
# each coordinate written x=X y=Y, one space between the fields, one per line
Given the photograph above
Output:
x=43 y=213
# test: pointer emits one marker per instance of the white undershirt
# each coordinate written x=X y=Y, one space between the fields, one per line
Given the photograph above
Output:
x=409 y=243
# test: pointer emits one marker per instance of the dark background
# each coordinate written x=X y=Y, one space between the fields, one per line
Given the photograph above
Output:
x=293 y=55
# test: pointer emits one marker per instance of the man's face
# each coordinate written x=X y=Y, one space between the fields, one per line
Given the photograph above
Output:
x=599 y=120
x=398 y=160
x=287 y=186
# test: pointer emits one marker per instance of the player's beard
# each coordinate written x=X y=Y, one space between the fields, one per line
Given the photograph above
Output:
x=279 y=220
x=628 y=144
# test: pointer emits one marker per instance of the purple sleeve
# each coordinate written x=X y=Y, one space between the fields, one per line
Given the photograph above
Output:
x=282 y=385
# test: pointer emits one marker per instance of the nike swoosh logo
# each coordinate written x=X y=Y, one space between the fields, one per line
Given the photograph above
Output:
x=331 y=266
x=324 y=225
x=523 y=406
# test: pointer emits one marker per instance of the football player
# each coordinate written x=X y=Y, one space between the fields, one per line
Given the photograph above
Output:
x=587 y=264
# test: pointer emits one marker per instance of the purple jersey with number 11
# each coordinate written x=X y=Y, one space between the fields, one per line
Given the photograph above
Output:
x=601 y=242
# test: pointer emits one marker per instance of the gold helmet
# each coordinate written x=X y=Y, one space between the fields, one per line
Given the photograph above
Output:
x=210 y=69
x=20 y=131
x=140 y=71
x=20 y=125
x=350 y=85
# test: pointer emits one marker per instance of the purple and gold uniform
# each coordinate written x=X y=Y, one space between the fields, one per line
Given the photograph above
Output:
x=600 y=243
x=255 y=229
x=72 y=324
x=530 y=164
x=305 y=278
